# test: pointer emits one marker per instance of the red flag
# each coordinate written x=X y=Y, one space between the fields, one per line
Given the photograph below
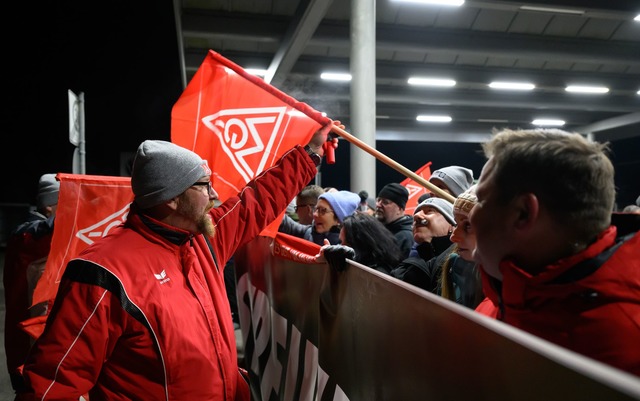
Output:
x=238 y=123
x=89 y=206
x=416 y=190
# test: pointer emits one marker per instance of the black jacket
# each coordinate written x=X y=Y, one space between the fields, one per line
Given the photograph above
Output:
x=403 y=233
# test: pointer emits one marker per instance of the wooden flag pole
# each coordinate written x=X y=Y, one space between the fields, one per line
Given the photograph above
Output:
x=392 y=163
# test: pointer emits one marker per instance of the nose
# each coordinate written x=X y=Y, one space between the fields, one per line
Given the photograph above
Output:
x=455 y=234
x=213 y=195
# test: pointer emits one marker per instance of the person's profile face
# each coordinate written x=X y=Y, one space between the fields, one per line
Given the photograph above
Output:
x=324 y=217
x=487 y=222
x=464 y=236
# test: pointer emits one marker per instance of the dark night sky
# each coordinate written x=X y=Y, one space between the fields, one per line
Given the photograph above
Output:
x=124 y=57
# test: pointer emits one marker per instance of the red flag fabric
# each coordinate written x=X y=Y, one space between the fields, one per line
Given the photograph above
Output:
x=416 y=190
x=238 y=123
x=295 y=248
x=89 y=206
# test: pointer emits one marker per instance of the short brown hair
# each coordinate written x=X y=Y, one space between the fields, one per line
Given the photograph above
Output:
x=572 y=176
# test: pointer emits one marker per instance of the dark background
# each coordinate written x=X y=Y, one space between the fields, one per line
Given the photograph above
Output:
x=123 y=55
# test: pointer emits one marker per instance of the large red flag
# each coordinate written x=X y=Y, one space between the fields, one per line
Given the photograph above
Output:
x=88 y=207
x=238 y=123
x=416 y=190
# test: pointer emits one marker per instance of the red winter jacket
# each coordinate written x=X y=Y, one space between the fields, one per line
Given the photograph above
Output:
x=588 y=303
x=28 y=244
x=143 y=313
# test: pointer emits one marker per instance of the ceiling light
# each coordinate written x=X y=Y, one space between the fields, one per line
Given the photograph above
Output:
x=638 y=92
x=552 y=10
x=256 y=71
x=335 y=76
x=455 y=3
x=521 y=86
x=434 y=119
x=548 y=122
x=637 y=18
x=431 y=82
x=586 y=89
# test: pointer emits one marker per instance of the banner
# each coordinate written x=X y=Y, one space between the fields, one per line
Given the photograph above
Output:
x=416 y=190
x=89 y=206
x=240 y=124
x=313 y=334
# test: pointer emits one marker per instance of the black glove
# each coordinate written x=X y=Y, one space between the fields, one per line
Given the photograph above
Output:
x=336 y=255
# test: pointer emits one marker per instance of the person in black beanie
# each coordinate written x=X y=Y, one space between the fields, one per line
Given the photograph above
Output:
x=390 y=204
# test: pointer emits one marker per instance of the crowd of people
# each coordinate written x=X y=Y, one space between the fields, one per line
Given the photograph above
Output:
x=549 y=256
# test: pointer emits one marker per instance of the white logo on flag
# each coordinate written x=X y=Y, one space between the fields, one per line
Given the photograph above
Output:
x=102 y=228
x=241 y=133
x=413 y=190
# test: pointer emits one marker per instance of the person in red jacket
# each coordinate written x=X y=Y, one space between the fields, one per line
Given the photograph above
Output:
x=143 y=313
x=553 y=263
x=25 y=257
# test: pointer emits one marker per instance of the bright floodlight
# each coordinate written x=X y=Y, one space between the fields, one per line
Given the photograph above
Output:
x=518 y=86
x=547 y=122
x=434 y=119
x=335 y=76
x=586 y=89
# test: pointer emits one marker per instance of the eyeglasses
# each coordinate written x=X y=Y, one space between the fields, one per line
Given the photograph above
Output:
x=301 y=206
x=205 y=184
x=322 y=210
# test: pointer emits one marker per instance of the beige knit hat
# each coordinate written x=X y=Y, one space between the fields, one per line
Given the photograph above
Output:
x=465 y=201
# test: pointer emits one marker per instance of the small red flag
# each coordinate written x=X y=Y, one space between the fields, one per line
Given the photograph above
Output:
x=240 y=124
x=89 y=206
x=416 y=190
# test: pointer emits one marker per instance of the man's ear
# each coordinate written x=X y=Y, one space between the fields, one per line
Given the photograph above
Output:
x=173 y=203
x=527 y=208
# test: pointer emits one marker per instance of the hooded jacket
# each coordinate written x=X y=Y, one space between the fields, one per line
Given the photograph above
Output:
x=588 y=303
x=143 y=313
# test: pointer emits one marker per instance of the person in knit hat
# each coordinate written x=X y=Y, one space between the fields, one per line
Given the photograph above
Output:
x=48 y=190
x=154 y=287
x=453 y=179
x=443 y=263
x=433 y=222
x=390 y=204
x=328 y=214
x=462 y=233
x=340 y=204
x=26 y=253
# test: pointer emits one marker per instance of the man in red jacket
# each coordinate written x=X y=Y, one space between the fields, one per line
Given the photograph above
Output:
x=553 y=263
x=26 y=255
x=143 y=314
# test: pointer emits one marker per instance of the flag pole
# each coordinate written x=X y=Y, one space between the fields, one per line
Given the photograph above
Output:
x=392 y=163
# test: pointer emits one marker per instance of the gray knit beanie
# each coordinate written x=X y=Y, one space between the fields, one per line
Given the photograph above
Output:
x=458 y=179
x=163 y=170
x=343 y=203
x=445 y=208
x=48 y=189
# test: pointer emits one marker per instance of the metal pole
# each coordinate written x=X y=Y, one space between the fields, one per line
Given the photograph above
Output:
x=81 y=141
x=363 y=93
